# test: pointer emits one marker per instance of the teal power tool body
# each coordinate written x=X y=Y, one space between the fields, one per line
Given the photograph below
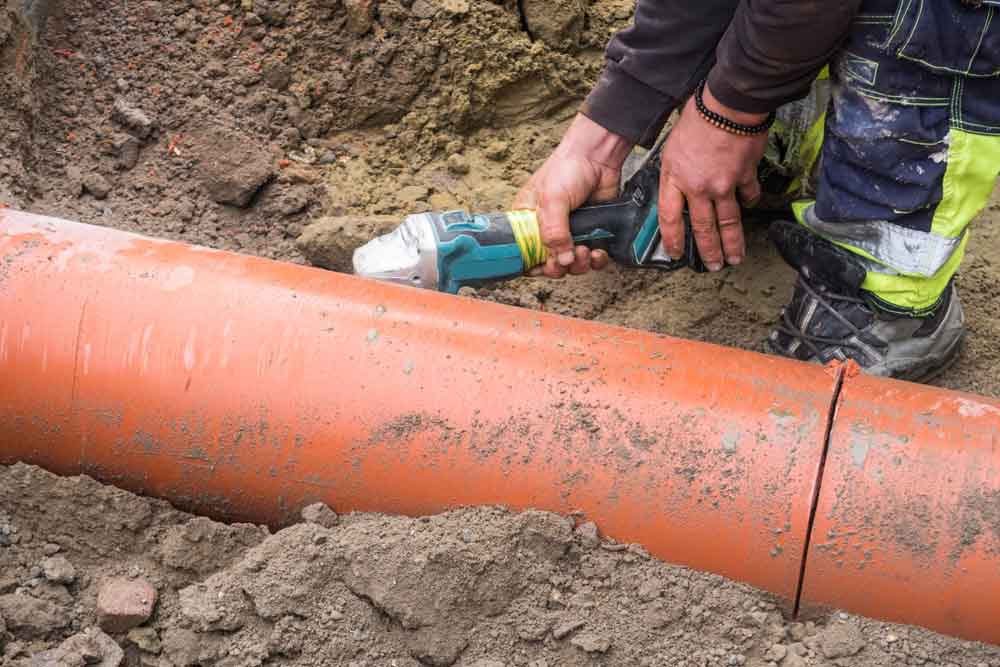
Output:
x=455 y=249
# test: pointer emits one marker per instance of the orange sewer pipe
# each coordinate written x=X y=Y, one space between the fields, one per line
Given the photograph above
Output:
x=245 y=389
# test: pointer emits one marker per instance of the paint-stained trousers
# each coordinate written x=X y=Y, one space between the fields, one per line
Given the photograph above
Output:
x=907 y=151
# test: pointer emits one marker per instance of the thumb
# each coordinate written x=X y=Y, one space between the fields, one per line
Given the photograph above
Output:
x=553 y=222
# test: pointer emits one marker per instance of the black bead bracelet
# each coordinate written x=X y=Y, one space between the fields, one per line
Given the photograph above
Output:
x=723 y=123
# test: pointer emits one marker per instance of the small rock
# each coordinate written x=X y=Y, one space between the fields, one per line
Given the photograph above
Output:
x=50 y=549
x=841 y=640
x=272 y=12
x=146 y=639
x=545 y=534
x=58 y=570
x=360 y=15
x=411 y=194
x=564 y=627
x=497 y=150
x=456 y=7
x=558 y=23
x=277 y=74
x=330 y=242
x=422 y=9
x=31 y=618
x=132 y=118
x=321 y=515
x=458 y=165
x=797 y=631
x=776 y=653
x=793 y=660
x=590 y=642
x=122 y=604
x=649 y=590
x=588 y=535
x=96 y=184
x=91 y=647
x=488 y=662
x=232 y=167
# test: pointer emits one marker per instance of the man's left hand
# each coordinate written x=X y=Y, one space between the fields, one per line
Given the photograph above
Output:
x=708 y=168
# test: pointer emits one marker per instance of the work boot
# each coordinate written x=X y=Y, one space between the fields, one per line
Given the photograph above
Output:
x=831 y=318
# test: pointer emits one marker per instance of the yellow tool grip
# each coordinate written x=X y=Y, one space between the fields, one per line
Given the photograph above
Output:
x=528 y=237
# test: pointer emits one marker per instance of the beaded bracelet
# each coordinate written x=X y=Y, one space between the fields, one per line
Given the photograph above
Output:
x=723 y=123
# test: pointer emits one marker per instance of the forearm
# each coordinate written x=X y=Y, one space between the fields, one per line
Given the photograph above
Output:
x=774 y=49
x=653 y=65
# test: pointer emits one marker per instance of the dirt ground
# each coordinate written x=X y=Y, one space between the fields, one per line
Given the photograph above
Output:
x=236 y=125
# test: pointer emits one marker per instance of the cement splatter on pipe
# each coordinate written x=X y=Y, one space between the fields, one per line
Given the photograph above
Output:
x=244 y=389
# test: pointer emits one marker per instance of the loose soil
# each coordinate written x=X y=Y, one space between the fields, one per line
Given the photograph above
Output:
x=236 y=126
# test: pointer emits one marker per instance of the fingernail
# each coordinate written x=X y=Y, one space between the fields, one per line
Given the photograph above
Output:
x=734 y=260
x=566 y=258
x=713 y=266
x=535 y=272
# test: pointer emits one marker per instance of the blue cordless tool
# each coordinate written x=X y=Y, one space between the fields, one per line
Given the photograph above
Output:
x=455 y=249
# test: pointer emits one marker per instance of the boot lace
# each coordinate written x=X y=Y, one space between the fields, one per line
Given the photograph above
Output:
x=826 y=299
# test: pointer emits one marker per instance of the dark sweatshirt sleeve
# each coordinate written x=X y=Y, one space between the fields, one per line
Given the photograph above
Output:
x=653 y=65
x=774 y=49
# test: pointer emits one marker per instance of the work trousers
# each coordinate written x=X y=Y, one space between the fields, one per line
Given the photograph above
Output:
x=898 y=145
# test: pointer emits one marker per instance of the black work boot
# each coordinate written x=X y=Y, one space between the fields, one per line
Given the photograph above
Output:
x=831 y=318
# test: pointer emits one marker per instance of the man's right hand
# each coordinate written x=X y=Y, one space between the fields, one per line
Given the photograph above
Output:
x=585 y=167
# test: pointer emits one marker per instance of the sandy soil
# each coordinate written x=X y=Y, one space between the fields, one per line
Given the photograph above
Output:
x=236 y=125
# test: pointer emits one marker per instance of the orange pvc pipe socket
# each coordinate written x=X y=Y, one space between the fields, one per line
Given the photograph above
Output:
x=907 y=526
x=245 y=389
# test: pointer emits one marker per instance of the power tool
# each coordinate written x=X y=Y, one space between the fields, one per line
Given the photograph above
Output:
x=454 y=249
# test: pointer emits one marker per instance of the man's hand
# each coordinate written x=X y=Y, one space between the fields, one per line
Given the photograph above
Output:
x=708 y=167
x=586 y=166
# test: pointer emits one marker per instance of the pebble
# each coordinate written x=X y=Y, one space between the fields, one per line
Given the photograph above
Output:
x=360 y=15
x=776 y=653
x=132 y=118
x=321 y=515
x=96 y=184
x=146 y=639
x=458 y=165
x=123 y=604
x=566 y=626
x=58 y=570
x=841 y=641
x=588 y=535
x=793 y=660
x=590 y=642
x=28 y=617
x=497 y=150
x=422 y=9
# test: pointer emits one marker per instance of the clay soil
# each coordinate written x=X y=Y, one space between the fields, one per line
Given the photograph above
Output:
x=239 y=125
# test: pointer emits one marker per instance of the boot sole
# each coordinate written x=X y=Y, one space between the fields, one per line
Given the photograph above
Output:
x=936 y=369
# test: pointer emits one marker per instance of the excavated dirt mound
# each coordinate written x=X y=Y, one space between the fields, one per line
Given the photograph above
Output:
x=237 y=124
x=479 y=587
